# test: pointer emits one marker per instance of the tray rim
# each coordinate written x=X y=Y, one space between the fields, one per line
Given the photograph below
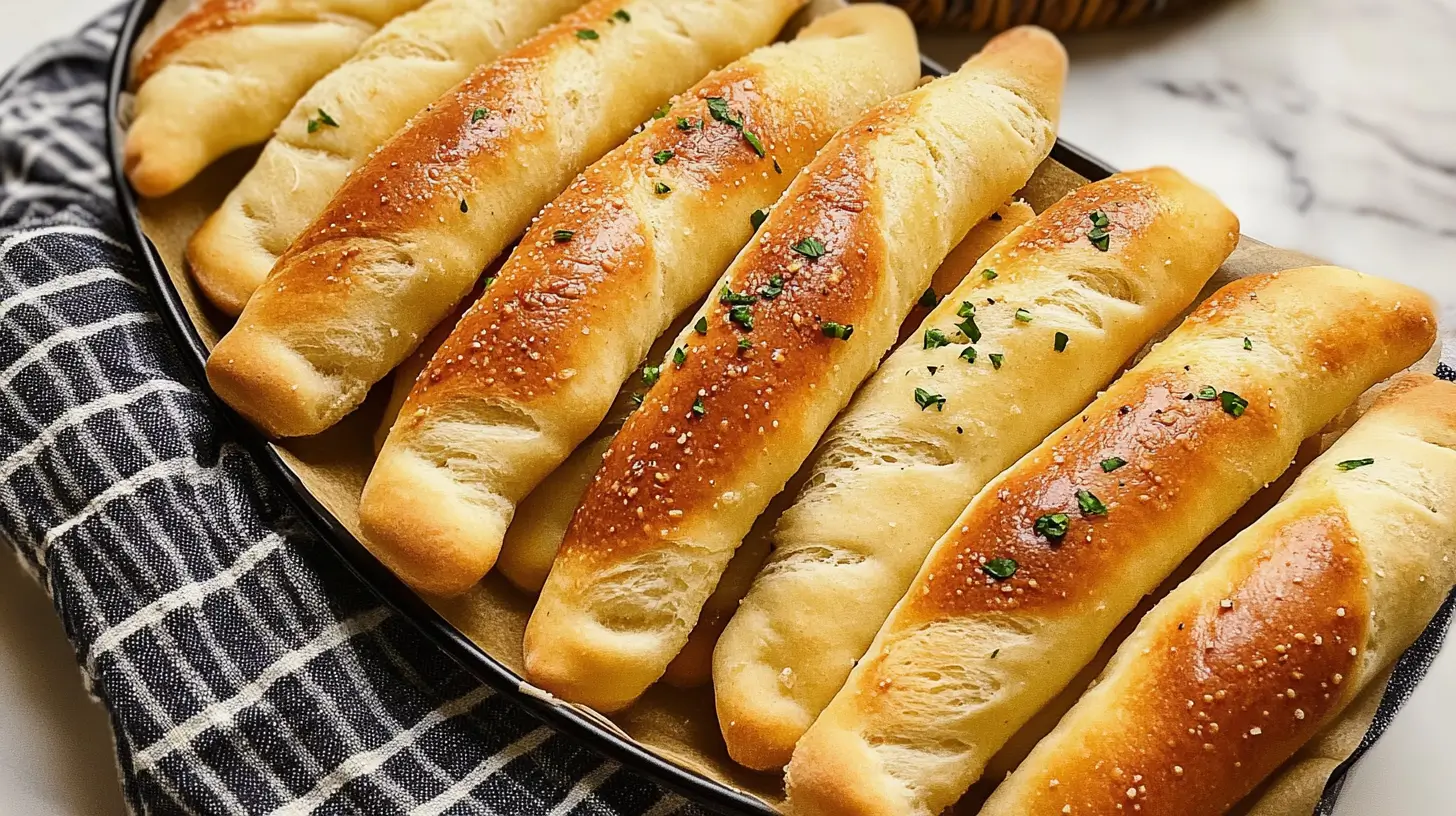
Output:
x=342 y=544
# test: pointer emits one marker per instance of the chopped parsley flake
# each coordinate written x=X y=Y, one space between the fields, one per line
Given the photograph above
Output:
x=774 y=288
x=718 y=108
x=744 y=344
x=925 y=399
x=1059 y=342
x=988 y=274
x=968 y=326
x=743 y=316
x=1207 y=392
x=662 y=157
x=1090 y=504
x=683 y=124
x=996 y=360
x=810 y=247
x=1351 y=464
x=1112 y=463
x=650 y=375
x=757 y=217
x=1000 y=569
x=928 y=298
x=661 y=188
x=480 y=113
x=698 y=408
x=636 y=399
x=561 y=236
x=969 y=355
x=733 y=298
x=1233 y=403
x=662 y=111
x=323 y=119
x=621 y=14
x=1248 y=344
x=1052 y=525
x=701 y=327
x=679 y=356
x=838 y=331
x=754 y=142
x=587 y=34
x=935 y=338
x=1023 y=316
x=1099 y=219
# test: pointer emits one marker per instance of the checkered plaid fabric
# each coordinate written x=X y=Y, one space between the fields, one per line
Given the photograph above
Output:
x=244 y=670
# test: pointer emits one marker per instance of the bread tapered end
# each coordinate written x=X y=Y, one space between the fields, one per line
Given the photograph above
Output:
x=154 y=164
x=270 y=384
x=834 y=774
x=756 y=738
x=416 y=522
x=1032 y=62
x=572 y=656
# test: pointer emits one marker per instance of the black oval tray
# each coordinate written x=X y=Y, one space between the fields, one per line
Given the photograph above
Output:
x=348 y=549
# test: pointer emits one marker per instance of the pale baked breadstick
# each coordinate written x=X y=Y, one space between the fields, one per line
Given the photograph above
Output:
x=225 y=73
x=894 y=471
x=1028 y=582
x=405 y=66
x=814 y=301
x=532 y=367
x=412 y=228
x=1277 y=632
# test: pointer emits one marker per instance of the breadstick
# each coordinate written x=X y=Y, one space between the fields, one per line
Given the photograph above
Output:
x=330 y=131
x=1230 y=674
x=1051 y=554
x=410 y=231
x=533 y=366
x=809 y=308
x=894 y=471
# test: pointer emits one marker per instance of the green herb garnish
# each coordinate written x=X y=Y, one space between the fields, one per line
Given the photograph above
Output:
x=1248 y=344
x=1112 y=463
x=757 y=217
x=1052 y=525
x=587 y=34
x=661 y=188
x=744 y=344
x=968 y=326
x=838 y=331
x=969 y=355
x=1351 y=464
x=683 y=124
x=988 y=274
x=662 y=157
x=935 y=338
x=679 y=356
x=996 y=360
x=699 y=409
x=1000 y=569
x=323 y=119
x=925 y=399
x=1233 y=403
x=1207 y=392
x=810 y=247
x=480 y=113
x=718 y=108
x=774 y=288
x=621 y=14
x=561 y=236
x=1023 y=316
x=928 y=298
x=1090 y=504
x=733 y=298
x=701 y=327
x=650 y=375
x=754 y=142
x=1059 y=341
x=743 y=316
x=1099 y=219
x=662 y=111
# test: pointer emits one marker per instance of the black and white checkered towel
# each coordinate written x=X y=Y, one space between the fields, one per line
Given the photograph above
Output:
x=245 y=671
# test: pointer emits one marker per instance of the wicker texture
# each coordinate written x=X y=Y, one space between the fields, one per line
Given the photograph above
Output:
x=1057 y=15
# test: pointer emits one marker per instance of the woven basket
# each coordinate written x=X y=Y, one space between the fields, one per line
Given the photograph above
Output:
x=1057 y=15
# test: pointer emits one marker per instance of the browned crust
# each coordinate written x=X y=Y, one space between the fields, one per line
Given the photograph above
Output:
x=1242 y=682
x=667 y=460
x=207 y=18
x=517 y=338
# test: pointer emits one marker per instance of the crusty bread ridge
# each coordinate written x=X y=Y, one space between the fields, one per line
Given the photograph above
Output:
x=399 y=70
x=225 y=73
x=410 y=231
x=1207 y=418
x=853 y=242
x=1267 y=643
x=532 y=368
x=891 y=475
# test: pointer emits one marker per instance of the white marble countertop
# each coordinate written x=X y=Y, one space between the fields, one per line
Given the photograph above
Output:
x=1329 y=127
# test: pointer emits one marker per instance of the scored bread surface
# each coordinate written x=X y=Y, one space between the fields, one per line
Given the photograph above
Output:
x=682 y=483
x=411 y=230
x=402 y=68
x=966 y=658
x=533 y=366
x=1241 y=665
x=225 y=73
x=891 y=476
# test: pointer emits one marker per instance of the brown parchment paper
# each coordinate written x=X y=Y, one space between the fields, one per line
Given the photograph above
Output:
x=680 y=725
